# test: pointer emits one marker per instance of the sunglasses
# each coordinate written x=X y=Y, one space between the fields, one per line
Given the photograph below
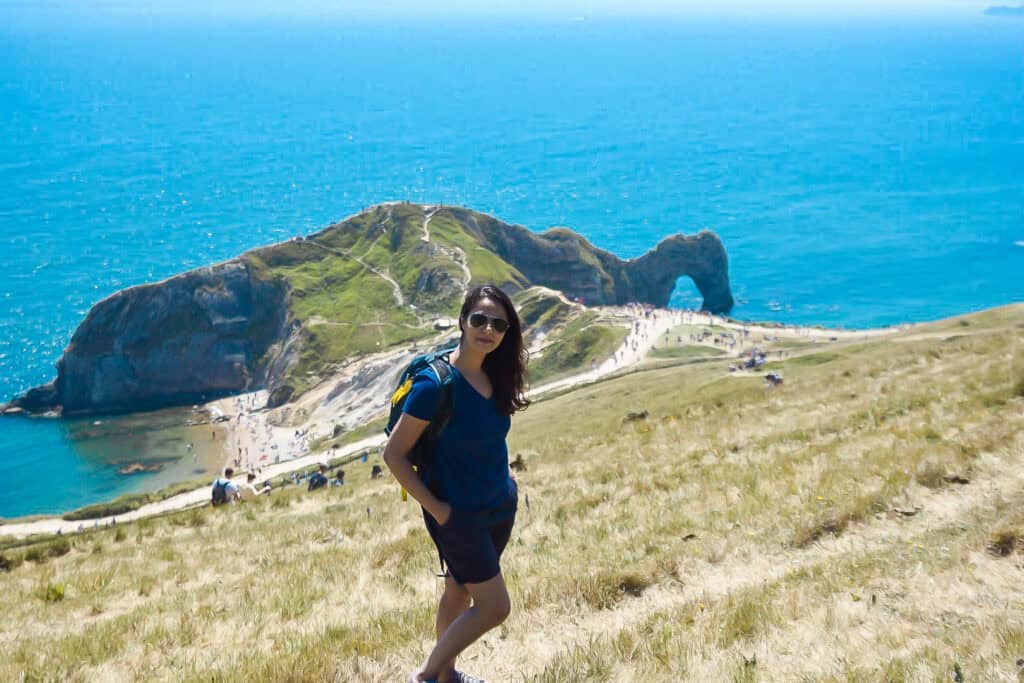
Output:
x=499 y=325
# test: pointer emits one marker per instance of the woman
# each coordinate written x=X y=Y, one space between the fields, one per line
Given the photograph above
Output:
x=469 y=497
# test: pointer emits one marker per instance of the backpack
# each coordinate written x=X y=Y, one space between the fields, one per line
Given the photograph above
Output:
x=422 y=452
x=220 y=491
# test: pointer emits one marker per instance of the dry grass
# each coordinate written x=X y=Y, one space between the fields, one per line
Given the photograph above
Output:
x=810 y=532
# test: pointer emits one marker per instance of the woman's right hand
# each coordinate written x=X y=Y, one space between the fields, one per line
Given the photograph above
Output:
x=444 y=513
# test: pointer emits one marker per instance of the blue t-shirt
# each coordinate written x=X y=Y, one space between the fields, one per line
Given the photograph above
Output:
x=470 y=466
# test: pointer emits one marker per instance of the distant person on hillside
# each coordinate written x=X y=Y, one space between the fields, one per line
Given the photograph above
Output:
x=468 y=495
x=318 y=479
x=339 y=478
x=248 y=490
x=225 y=490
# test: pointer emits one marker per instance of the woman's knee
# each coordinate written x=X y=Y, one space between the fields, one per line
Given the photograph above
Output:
x=504 y=608
x=496 y=609
x=455 y=597
x=492 y=600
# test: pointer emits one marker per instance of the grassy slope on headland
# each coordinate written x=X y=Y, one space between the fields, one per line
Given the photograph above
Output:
x=860 y=522
x=373 y=282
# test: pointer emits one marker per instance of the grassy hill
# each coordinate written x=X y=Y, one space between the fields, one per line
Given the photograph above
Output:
x=860 y=522
x=566 y=337
x=381 y=278
x=358 y=287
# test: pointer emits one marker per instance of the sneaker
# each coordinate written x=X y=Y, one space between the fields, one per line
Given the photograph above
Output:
x=460 y=677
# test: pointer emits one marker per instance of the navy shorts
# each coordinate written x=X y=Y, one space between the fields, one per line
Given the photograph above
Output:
x=471 y=543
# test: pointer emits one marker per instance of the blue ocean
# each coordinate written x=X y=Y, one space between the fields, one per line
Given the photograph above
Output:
x=859 y=174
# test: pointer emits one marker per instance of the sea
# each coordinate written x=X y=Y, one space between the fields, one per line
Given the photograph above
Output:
x=860 y=173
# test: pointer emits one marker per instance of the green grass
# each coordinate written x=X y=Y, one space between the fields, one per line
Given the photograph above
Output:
x=485 y=266
x=373 y=428
x=687 y=351
x=806 y=360
x=339 y=294
x=573 y=347
x=539 y=309
x=133 y=501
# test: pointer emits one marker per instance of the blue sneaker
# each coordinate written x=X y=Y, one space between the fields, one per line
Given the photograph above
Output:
x=460 y=677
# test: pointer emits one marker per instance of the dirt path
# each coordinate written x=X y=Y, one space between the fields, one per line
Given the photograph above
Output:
x=429 y=212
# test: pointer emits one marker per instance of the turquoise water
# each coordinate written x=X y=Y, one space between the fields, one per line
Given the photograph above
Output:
x=859 y=175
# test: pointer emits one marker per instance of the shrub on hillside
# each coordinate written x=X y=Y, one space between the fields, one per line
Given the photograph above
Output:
x=43 y=551
x=51 y=592
x=930 y=473
x=1003 y=542
x=115 y=507
x=132 y=501
x=10 y=561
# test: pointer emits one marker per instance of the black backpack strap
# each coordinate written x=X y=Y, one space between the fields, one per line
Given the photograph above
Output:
x=443 y=371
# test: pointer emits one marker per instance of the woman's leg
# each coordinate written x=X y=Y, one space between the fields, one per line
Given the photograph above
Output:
x=491 y=606
x=454 y=601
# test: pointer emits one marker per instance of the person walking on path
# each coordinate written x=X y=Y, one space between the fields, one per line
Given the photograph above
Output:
x=224 y=490
x=469 y=497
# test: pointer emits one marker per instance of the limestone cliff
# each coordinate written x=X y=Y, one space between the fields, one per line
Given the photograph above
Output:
x=564 y=260
x=208 y=332
x=285 y=316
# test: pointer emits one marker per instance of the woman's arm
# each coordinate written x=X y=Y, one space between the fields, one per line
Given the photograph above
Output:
x=407 y=430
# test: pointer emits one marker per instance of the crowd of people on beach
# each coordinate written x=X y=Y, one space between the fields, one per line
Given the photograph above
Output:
x=256 y=442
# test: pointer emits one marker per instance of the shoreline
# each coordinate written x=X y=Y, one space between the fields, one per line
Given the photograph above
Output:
x=256 y=444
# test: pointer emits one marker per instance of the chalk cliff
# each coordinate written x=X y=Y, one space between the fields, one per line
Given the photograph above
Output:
x=564 y=260
x=208 y=332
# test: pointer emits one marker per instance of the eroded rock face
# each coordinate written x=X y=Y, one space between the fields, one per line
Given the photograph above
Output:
x=564 y=260
x=195 y=336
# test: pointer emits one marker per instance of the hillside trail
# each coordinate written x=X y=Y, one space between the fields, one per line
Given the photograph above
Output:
x=395 y=288
x=703 y=580
x=428 y=213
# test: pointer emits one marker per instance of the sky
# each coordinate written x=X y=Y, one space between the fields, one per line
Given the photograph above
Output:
x=547 y=9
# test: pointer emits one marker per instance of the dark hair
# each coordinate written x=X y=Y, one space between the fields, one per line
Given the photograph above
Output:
x=506 y=365
x=229 y=472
